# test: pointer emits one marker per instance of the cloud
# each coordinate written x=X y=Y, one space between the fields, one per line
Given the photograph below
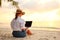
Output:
x=38 y=5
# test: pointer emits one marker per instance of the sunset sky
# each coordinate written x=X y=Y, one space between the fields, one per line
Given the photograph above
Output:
x=47 y=12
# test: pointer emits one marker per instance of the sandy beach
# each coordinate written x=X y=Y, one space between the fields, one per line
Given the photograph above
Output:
x=5 y=34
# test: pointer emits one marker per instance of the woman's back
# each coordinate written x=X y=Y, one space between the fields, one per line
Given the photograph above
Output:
x=15 y=25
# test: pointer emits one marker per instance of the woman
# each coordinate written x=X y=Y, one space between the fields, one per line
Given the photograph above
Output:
x=18 y=25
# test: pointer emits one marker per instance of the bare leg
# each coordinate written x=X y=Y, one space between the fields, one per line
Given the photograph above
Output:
x=28 y=31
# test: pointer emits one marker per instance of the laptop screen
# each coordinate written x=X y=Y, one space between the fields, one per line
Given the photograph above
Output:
x=28 y=24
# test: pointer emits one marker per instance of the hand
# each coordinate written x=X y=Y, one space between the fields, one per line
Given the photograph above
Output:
x=23 y=28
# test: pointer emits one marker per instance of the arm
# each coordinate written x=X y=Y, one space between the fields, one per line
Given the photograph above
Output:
x=23 y=26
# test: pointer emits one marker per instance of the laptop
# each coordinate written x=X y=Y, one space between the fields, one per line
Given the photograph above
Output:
x=28 y=24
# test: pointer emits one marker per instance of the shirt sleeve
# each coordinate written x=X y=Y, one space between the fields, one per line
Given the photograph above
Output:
x=22 y=23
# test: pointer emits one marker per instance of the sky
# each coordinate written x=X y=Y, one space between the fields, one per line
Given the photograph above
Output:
x=44 y=11
x=36 y=5
x=39 y=5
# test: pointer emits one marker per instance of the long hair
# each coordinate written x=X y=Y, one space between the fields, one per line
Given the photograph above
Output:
x=17 y=13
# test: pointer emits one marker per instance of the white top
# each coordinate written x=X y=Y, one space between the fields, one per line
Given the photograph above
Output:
x=17 y=24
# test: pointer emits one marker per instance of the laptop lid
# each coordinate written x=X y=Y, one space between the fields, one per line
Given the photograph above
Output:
x=28 y=24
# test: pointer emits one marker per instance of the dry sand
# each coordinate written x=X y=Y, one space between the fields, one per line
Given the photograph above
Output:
x=5 y=34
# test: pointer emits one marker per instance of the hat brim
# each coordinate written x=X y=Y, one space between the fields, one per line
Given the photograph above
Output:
x=20 y=12
x=23 y=13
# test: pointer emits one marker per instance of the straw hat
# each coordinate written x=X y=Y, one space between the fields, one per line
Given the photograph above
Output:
x=20 y=11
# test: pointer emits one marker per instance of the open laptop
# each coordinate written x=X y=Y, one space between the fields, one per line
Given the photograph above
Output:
x=28 y=24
